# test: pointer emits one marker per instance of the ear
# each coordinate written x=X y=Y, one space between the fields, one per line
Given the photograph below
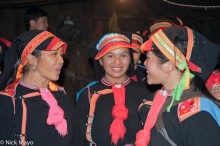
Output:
x=32 y=24
x=168 y=67
x=32 y=60
x=100 y=61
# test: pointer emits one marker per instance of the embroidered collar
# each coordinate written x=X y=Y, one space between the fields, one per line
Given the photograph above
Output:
x=126 y=82
x=30 y=86
x=167 y=92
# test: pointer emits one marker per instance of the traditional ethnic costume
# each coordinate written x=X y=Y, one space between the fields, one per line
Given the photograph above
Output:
x=30 y=115
x=139 y=75
x=182 y=117
x=107 y=114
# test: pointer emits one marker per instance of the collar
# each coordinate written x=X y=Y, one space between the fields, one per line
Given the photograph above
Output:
x=126 y=82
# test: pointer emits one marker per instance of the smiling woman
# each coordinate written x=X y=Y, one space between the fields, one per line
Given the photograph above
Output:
x=33 y=109
x=112 y=102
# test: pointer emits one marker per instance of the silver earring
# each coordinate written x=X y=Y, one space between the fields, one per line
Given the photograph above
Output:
x=139 y=61
x=34 y=68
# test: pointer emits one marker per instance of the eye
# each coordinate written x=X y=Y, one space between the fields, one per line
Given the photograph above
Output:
x=124 y=55
x=62 y=55
x=55 y=53
x=110 y=56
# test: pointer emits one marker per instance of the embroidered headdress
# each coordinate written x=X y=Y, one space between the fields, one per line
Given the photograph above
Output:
x=213 y=82
x=110 y=42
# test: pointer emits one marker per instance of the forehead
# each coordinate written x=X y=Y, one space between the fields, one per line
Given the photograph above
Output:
x=60 y=49
x=119 y=50
x=42 y=18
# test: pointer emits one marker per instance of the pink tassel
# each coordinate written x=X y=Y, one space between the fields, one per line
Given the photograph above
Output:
x=120 y=113
x=55 y=114
x=118 y=129
x=143 y=136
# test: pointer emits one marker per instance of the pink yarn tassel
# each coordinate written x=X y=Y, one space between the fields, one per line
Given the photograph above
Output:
x=55 y=114
x=143 y=136
x=120 y=113
x=118 y=129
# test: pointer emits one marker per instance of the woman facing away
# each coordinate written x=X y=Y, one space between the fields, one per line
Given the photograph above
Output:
x=107 y=111
x=34 y=110
x=183 y=112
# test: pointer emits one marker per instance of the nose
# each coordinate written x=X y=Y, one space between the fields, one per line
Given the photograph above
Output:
x=117 y=60
x=60 y=60
x=145 y=62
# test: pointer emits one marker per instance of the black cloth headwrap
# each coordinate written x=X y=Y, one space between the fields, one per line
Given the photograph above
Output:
x=13 y=55
x=204 y=52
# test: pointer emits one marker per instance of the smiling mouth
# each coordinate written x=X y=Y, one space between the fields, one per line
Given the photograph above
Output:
x=117 y=69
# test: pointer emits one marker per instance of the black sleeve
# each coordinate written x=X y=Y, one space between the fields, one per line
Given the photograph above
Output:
x=6 y=117
x=201 y=129
x=80 y=120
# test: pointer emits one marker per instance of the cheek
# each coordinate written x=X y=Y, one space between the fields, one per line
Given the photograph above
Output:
x=147 y=63
x=47 y=61
x=216 y=95
x=127 y=61
x=105 y=62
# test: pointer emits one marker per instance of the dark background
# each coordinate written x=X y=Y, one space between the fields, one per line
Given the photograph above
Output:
x=90 y=18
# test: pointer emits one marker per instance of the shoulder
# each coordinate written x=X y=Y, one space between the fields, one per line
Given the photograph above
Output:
x=10 y=89
x=85 y=88
x=195 y=105
x=54 y=87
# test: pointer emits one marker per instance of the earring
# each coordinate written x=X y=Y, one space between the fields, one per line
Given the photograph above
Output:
x=139 y=61
x=34 y=68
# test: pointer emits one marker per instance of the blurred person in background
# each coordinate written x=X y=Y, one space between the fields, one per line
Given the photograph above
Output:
x=36 y=18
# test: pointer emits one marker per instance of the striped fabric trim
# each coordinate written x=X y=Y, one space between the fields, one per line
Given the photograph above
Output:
x=93 y=101
x=160 y=25
x=190 y=43
x=112 y=46
x=35 y=42
x=112 y=37
x=168 y=48
x=137 y=40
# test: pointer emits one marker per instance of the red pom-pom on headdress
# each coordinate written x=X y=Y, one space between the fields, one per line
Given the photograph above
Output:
x=214 y=79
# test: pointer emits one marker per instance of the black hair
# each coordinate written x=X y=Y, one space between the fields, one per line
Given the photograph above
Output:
x=33 y=13
x=100 y=72
x=196 y=84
